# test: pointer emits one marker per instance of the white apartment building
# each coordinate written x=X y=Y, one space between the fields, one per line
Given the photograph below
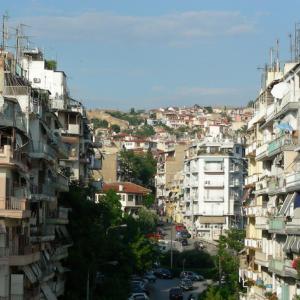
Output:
x=213 y=185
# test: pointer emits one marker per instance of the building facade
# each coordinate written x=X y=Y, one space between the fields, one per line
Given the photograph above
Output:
x=272 y=200
x=213 y=180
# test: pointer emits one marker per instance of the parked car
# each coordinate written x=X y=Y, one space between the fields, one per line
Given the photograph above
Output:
x=184 y=242
x=191 y=275
x=192 y=296
x=186 y=284
x=154 y=235
x=139 y=286
x=150 y=276
x=175 y=294
x=180 y=227
x=185 y=234
x=138 y=296
x=163 y=273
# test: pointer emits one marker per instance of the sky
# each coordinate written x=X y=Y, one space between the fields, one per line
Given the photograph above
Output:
x=146 y=54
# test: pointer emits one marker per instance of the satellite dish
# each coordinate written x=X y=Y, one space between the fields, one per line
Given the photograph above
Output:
x=280 y=89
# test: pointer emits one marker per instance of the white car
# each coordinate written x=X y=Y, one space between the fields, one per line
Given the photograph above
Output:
x=138 y=296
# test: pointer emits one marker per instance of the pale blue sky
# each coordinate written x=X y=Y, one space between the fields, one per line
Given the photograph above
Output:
x=146 y=54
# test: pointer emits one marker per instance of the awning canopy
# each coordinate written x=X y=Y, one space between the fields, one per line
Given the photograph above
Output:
x=288 y=243
x=295 y=245
x=49 y=295
x=212 y=220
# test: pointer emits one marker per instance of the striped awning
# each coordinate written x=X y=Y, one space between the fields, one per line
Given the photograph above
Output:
x=288 y=243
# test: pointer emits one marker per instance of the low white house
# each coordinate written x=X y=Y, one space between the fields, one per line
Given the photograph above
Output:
x=131 y=194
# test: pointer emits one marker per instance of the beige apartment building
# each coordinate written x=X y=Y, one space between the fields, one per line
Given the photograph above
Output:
x=272 y=200
x=170 y=161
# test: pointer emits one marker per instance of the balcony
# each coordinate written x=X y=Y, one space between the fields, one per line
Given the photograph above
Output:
x=235 y=183
x=262 y=258
x=253 y=243
x=213 y=184
x=97 y=185
x=23 y=256
x=293 y=181
x=261 y=187
x=255 y=211
x=73 y=129
x=276 y=185
x=43 y=233
x=276 y=225
x=251 y=149
x=60 y=253
x=283 y=141
x=250 y=180
x=15 y=208
x=60 y=216
x=15 y=158
x=261 y=222
x=41 y=150
x=58 y=104
x=44 y=191
x=262 y=151
x=283 y=268
x=218 y=169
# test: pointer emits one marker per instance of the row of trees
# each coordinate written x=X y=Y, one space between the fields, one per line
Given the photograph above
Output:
x=108 y=245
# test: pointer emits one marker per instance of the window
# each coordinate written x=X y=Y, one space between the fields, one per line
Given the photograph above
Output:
x=130 y=198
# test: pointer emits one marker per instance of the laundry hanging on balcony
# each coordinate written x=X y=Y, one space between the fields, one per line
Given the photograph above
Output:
x=285 y=127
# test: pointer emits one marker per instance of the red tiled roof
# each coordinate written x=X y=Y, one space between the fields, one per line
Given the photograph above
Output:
x=126 y=187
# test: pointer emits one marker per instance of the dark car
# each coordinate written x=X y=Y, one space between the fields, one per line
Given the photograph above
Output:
x=184 y=242
x=192 y=296
x=191 y=275
x=150 y=276
x=185 y=234
x=186 y=284
x=163 y=273
x=175 y=294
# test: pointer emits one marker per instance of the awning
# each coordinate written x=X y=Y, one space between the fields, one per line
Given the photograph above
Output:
x=288 y=243
x=295 y=245
x=212 y=220
x=29 y=274
x=49 y=295
x=286 y=204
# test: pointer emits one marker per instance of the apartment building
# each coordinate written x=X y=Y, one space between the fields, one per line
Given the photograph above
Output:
x=272 y=199
x=169 y=162
x=75 y=129
x=213 y=181
x=34 y=239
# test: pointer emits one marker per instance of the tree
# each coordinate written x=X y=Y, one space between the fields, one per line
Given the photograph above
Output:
x=139 y=168
x=145 y=131
x=149 y=200
x=51 y=65
x=98 y=123
x=250 y=103
x=115 y=128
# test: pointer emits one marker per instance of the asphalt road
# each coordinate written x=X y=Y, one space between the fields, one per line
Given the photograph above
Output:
x=166 y=228
x=160 y=289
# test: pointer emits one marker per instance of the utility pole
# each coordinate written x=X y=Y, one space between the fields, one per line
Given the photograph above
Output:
x=4 y=29
x=171 y=262
x=220 y=265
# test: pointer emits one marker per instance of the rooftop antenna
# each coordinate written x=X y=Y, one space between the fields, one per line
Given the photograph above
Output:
x=4 y=31
x=297 y=41
x=291 y=46
x=271 y=59
x=277 y=56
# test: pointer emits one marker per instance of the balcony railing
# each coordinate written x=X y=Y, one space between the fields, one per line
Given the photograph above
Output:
x=8 y=156
x=276 y=225
x=276 y=145
x=253 y=243
x=42 y=149
x=283 y=268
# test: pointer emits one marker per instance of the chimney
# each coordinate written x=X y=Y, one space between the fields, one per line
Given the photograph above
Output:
x=121 y=187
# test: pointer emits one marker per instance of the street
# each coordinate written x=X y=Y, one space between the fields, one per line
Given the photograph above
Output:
x=160 y=289
x=210 y=248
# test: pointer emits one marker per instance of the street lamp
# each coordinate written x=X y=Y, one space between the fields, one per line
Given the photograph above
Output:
x=114 y=227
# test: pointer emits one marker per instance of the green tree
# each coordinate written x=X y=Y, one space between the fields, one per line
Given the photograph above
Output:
x=145 y=131
x=115 y=128
x=98 y=123
x=51 y=64
x=149 y=200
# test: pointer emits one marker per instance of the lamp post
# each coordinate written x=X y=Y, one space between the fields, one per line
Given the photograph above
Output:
x=112 y=263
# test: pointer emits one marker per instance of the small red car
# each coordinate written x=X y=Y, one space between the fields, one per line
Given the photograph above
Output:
x=155 y=236
x=180 y=227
